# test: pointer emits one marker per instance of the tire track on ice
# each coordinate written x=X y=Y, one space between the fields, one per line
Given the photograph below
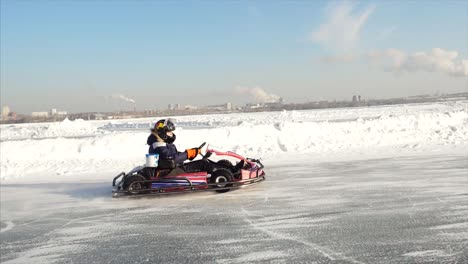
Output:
x=331 y=255
x=9 y=226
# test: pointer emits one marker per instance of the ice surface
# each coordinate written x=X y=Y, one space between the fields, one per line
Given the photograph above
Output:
x=354 y=185
x=383 y=210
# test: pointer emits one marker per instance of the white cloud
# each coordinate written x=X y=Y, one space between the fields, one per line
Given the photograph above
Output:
x=341 y=33
x=436 y=60
x=343 y=27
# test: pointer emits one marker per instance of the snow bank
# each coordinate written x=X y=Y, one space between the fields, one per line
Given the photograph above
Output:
x=66 y=128
x=70 y=147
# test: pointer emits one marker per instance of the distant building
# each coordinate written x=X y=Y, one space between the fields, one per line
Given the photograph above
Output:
x=253 y=106
x=190 y=107
x=98 y=116
x=40 y=114
x=356 y=98
x=174 y=107
x=228 y=106
x=53 y=112
x=12 y=116
x=216 y=107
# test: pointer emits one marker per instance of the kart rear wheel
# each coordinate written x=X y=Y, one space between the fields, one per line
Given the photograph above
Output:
x=219 y=177
x=133 y=184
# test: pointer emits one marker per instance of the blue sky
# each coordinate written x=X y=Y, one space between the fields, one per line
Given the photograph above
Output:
x=102 y=55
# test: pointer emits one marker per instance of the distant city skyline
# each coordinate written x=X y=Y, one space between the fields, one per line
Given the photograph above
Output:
x=81 y=56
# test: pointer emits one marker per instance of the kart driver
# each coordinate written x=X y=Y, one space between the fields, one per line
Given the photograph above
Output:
x=161 y=141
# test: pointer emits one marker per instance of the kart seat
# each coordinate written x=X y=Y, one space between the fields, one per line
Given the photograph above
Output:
x=166 y=164
x=168 y=167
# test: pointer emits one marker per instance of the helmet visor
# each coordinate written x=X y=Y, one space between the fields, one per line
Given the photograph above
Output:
x=169 y=124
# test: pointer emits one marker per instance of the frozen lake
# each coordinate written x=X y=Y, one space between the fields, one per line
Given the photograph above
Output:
x=397 y=209
x=360 y=185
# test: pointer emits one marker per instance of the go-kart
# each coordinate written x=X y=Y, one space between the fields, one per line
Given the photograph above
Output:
x=168 y=178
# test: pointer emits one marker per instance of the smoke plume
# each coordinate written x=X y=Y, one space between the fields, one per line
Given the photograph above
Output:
x=258 y=94
x=123 y=97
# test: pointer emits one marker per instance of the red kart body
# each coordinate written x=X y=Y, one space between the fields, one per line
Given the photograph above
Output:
x=163 y=180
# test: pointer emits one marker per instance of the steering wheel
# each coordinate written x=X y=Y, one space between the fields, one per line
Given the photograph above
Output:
x=199 y=151
x=207 y=155
x=201 y=146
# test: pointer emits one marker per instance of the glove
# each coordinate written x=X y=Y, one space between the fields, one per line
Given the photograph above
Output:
x=192 y=153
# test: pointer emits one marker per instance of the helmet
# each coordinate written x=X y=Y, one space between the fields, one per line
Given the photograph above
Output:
x=162 y=127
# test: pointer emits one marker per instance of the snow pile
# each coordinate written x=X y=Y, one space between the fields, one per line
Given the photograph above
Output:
x=66 y=128
x=307 y=132
x=70 y=147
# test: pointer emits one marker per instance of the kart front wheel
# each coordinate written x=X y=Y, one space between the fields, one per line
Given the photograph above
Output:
x=134 y=184
x=220 y=177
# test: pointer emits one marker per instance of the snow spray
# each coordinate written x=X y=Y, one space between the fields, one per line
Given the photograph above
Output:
x=152 y=160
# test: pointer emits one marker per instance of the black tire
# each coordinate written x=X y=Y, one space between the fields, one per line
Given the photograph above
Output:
x=133 y=184
x=220 y=176
x=225 y=163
